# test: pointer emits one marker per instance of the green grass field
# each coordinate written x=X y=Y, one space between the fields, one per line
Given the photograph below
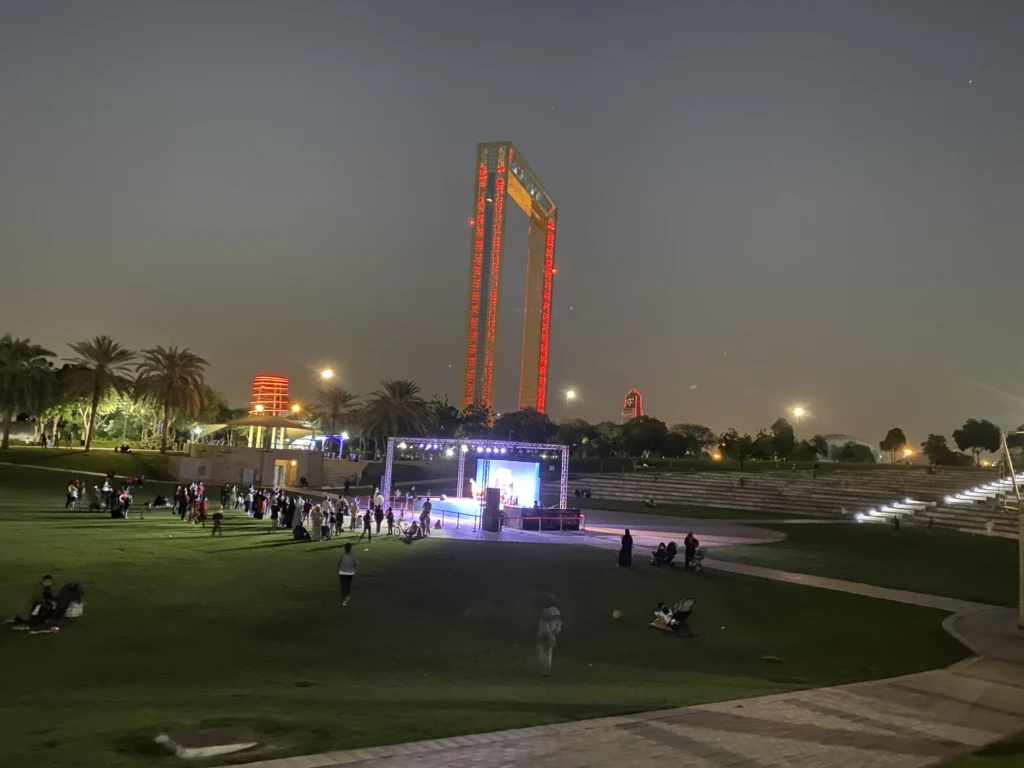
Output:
x=919 y=559
x=149 y=463
x=675 y=510
x=1008 y=753
x=183 y=629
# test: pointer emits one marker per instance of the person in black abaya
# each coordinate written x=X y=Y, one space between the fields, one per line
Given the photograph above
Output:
x=626 y=551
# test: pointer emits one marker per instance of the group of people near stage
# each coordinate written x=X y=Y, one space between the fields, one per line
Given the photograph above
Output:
x=309 y=518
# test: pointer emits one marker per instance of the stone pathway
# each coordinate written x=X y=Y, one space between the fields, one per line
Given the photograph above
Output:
x=903 y=722
x=853 y=587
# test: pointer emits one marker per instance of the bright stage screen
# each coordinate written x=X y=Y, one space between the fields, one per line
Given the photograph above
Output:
x=519 y=481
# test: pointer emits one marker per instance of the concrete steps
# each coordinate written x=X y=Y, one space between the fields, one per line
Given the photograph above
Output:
x=337 y=471
x=936 y=499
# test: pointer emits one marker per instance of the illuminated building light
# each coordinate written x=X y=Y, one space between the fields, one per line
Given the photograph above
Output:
x=476 y=276
x=270 y=395
x=545 y=316
x=633 y=405
x=497 y=228
x=465 y=448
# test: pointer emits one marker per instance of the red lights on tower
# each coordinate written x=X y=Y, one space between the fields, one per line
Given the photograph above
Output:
x=476 y=277
x=632 y=405
x=269 y=396
x=545 y=315
x=492 y=284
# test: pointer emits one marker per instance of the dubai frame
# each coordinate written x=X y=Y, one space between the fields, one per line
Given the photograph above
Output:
x=501 y=171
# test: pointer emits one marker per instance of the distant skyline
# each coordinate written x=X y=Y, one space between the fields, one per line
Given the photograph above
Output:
x=760 y=204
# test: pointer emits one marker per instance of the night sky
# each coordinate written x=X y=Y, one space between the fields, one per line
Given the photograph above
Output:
x=760 y=203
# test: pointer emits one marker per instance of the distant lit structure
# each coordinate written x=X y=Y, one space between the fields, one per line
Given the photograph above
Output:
x=502 y=172
x=632 y=405
x=269 y=398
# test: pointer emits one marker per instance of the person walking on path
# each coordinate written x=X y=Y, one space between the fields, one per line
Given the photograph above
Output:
x=548 y=626
x=346 y=571
x=378 y=517
x=626 y=550
x=367 y=522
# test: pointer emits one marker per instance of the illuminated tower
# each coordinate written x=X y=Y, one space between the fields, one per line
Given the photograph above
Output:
x=502 y=172
x=632 y=405
x=269 y=398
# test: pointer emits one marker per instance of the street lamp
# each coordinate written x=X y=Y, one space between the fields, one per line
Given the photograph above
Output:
x=798 y=413
x=326 y=374
x=258 y=409
x=296 y=408
x=570 y=395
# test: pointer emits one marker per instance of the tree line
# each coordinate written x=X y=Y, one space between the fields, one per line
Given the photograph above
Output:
x=97 y=379
x=160 y=393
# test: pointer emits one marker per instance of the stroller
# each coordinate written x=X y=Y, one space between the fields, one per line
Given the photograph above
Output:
x=696 y=564
x=676 y=621
x=664 y=556
x=410 y=532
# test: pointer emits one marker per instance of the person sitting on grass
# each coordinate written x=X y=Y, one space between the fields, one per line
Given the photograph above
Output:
x=39 y=605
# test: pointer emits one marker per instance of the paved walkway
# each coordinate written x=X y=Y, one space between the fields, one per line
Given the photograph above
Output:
x=853 y=587
x=903 y=722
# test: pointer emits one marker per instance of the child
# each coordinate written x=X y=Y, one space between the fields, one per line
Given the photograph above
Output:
x=218 y=516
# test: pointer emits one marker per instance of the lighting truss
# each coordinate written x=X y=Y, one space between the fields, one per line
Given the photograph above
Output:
x=463 y=447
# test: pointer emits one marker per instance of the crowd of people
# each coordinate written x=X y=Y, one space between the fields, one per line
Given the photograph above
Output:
x=108 y=497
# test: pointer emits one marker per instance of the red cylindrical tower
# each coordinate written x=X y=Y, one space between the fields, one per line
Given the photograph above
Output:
x=269 y=395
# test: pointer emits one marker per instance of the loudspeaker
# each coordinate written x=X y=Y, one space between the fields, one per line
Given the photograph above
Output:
x=492 y=510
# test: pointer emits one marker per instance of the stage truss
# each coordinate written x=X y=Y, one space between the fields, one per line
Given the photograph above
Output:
x=464 y=447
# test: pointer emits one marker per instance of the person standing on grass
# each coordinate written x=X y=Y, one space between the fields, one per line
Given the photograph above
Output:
x=218 y=517
x=548 y=626
x=353 y=510
x=378 y=517
x=72 y=497
x=346 y=572
x=367 y=522
x=390 y=517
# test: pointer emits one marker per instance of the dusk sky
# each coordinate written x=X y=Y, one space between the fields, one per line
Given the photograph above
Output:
x=760 y=203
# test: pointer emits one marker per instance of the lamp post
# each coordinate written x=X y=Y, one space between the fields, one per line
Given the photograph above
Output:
x=326 y=375
x=341 y=447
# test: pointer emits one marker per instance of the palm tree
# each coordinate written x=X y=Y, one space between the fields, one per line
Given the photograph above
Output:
x=104 y=365
x=175 y=378
x=396 y=407
x=332 y=409
x=24 y=371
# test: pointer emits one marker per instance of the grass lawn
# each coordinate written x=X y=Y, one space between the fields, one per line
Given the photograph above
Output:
x=183 y=629
x=675 y=510
x=1008 y=753
x=919 y=559
x=149 y=463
